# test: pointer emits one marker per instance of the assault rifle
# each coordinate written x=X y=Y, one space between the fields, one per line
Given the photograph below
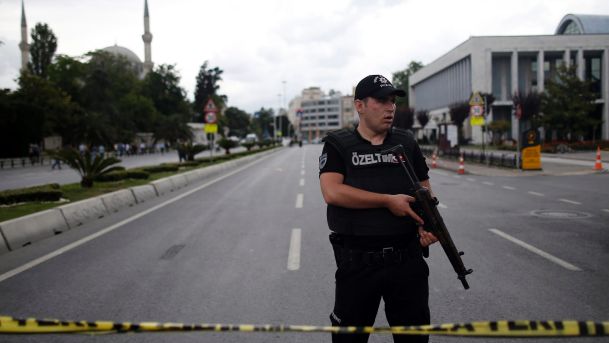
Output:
x=431 y=216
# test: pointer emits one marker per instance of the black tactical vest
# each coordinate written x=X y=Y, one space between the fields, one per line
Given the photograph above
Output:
x=368 y=169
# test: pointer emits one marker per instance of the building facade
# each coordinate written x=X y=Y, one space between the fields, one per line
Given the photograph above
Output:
x=314 y=113
x=506 y=65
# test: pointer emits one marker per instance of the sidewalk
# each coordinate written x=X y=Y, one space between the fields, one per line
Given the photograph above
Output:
x=573 y=163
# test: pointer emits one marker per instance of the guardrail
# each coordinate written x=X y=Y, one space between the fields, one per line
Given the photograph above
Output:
x=503 y=159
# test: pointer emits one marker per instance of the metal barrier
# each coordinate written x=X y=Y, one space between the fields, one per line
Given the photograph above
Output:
x=503 y=159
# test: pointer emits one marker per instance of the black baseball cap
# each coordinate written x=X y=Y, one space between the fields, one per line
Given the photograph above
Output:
x=376 y=86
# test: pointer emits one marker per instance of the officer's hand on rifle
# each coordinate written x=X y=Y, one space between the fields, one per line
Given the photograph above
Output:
x=399 y=205
x=426 y=238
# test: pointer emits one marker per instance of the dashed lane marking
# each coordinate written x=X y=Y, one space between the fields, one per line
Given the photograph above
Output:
x=299 y=200
x=302 y=172
x=488 y=183
x=508 y=188
x=294 y=252
x=606 y=210
x=537 y=194
x=470 y=179
x=570 y=201
x=302 y=182
x=537 y=251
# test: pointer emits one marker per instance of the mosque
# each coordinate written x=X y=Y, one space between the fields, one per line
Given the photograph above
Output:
x=141 y=68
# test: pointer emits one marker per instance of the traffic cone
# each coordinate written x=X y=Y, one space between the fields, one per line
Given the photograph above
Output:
x=461 y=169
x=599 y=164
x=433 y=160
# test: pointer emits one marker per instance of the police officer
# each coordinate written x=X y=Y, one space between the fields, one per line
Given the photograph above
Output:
x=376 y=233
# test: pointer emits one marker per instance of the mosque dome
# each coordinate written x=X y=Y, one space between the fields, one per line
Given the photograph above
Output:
x=122 y=51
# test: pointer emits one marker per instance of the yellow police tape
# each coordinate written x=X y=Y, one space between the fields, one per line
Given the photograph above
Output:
x=502 y=328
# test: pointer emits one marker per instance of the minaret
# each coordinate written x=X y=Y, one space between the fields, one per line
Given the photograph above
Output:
x=23 y=45
x=147 y=38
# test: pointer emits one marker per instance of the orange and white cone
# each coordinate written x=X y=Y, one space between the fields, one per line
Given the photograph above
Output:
x=599 y=164
x=433 y=160
x=461 y=169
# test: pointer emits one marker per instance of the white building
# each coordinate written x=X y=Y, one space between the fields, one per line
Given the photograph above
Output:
x=505 y=65
x=314 y=113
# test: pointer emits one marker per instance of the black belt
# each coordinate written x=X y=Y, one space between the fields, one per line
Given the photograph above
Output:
x=376 y=257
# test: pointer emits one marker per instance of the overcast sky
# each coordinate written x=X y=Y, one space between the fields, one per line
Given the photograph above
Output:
x=261 y=43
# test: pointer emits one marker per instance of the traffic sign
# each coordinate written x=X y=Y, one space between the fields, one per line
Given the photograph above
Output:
x=211 y=128
x=210 y=118
x=210 y=107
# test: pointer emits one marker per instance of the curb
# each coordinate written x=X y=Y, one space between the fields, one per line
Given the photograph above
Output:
x=19 y=232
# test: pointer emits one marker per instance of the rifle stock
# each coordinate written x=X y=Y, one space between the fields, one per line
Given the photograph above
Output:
x=433 y=220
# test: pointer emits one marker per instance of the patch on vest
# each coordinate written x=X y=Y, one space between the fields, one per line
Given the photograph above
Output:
x=322 y=160
x=368 y=159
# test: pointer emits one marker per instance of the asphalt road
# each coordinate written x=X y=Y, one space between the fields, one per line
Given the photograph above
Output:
x=226 y=251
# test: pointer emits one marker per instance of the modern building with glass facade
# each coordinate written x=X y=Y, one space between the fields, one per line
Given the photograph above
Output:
x=506 y=65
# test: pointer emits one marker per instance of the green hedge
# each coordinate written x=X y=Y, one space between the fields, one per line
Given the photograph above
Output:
x=49 y=192
x=162 y=168
x=123 y=175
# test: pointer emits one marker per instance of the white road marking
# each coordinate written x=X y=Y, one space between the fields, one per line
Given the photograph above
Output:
x=509 y=187
x=440 y=172
x=299 y=200
x=535 y=250
x=537 y=194
x=488 y=183
x=470 y=179
x=570 y=201
x=294 y=252
x=111 y=228
x=302 y=172
x=441 y=205
x=302 y=182
x=457 y=176
x=606 y=210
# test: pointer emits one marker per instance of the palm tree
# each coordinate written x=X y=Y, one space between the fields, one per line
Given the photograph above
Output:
x=87 y=166
x=227 y=144
x=190 y=150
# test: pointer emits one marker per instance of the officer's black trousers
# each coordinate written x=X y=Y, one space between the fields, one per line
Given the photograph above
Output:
x=360 y=287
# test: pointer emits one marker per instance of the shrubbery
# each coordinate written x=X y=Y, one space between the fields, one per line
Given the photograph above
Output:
x=123 y=175
x=49 y=192
x=162 y=168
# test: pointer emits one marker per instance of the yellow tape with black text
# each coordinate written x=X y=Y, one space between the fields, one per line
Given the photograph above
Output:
x=502 y=328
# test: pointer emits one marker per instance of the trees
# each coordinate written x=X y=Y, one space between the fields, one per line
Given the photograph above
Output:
x=530 y=105
x=567 y=104
x=262 y=123
x=42 y=49
x=207 y=88
x=400 y=80
x=404 y=117
x=162 y=87
x=458 y=113
x=237 y=121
